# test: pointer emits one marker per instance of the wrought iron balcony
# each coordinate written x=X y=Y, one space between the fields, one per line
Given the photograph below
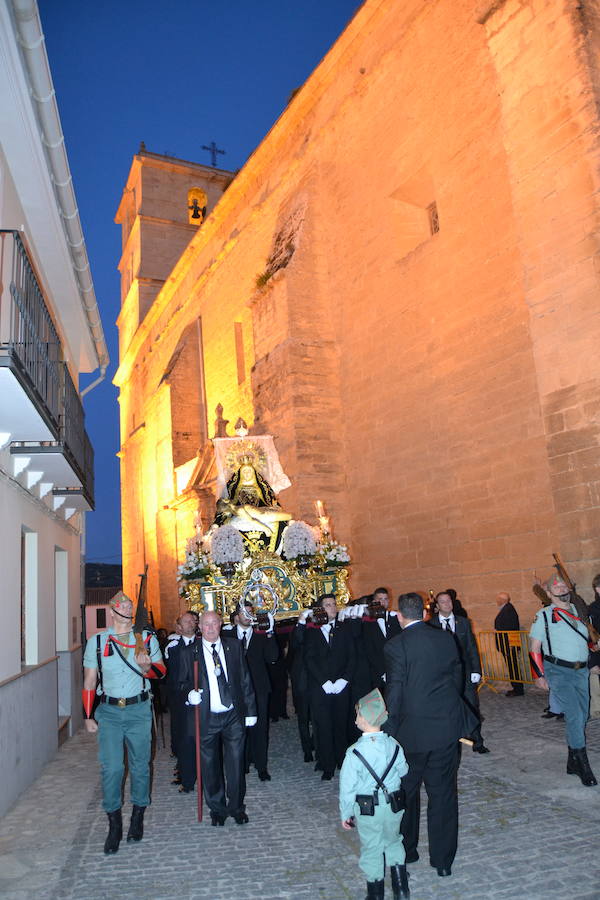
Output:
x=29 y=344
x=40 y=407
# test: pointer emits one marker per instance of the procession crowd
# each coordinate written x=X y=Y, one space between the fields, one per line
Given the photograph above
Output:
x=387 y=697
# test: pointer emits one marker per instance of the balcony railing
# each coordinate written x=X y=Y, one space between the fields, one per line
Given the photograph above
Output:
x=28 y=338
x=30 y=346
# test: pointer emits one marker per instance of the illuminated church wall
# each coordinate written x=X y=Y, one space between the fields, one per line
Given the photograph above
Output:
x=438 y=391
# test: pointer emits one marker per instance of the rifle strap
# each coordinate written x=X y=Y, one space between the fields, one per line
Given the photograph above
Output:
x=573 y=627
x=99 y=658
x=379 y=781
x=129 y=666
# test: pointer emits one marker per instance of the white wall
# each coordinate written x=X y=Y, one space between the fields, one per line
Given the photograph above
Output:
x=17 y=512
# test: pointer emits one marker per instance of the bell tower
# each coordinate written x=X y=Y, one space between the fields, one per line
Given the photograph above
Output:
x=165 y=200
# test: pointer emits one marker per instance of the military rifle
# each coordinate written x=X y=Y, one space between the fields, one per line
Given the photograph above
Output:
x=577 y=601
x=141 y=614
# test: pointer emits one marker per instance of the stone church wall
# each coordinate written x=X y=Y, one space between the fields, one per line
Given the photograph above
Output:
x=437 y=389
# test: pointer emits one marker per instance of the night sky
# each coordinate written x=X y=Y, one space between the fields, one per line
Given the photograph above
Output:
x=176 y=75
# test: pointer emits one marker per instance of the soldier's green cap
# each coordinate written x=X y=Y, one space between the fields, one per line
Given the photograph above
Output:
x=372 y=708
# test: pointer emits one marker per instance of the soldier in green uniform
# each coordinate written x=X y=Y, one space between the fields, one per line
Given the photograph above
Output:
x=119 y=676
x=378 y=826
x=559 y=653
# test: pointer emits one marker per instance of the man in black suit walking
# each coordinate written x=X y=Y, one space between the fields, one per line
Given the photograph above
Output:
x=227 y=708
x=508 y=620
x=329 y=658
x=469 y=654
x=261 y=652
x=376 y=630
x=427 y=715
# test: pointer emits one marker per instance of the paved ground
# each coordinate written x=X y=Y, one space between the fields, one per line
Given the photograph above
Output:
x=525 y=828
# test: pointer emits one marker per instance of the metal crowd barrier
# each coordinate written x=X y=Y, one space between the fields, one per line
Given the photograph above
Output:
x=504 y=657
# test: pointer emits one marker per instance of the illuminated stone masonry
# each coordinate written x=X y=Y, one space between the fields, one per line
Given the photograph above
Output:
x=401 y=287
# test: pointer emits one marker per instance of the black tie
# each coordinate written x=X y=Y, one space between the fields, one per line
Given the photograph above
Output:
x=224 y=692
x=446 y=624
x=245 y=633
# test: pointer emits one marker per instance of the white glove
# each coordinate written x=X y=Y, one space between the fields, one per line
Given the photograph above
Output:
x=303 y=617
x=249 y=721
x=328 y=687
x=339 y=685
x=475 y=677
x=194 y=698
x=383 y=678
x=271 y=622
x=360 y=610
x=344 y=613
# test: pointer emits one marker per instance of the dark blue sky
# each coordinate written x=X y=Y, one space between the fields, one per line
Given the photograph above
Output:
x=176 y=75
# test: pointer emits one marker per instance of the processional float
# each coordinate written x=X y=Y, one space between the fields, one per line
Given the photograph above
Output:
x=253 y=550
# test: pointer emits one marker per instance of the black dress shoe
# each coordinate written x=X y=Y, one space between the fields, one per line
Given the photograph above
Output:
x=264 y=775
x=240 y=818
x=216 y=819
x=479 y=748
x=318 y=766
x=412 y=856
x=184 y=790
x=443 y=873
x=326 y=776
x=308 y=757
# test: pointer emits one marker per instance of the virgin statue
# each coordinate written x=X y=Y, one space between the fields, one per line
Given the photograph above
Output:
x=251 y=506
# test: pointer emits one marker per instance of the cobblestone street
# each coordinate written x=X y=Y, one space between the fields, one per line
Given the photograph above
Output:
x=518 y=812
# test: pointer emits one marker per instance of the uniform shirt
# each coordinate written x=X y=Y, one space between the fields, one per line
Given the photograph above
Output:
x=118 y=680
x=564 y=642
x=378 y=749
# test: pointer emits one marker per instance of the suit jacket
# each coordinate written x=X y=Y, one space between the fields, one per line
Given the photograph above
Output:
x=325 y=661
x=424 y=678
x=261 y=654
x=466 y=642
x=238 y=676
x=373 y=641
x=507 y=619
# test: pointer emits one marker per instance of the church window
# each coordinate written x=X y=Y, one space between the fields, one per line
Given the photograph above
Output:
x=434 y=219
x=239 y=352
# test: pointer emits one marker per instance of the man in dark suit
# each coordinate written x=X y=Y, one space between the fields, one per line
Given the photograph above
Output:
x=460 y=627
x=378 y=628
x=427 y=715
x=299 y=682
x=227 y=708
x=329 y=658
x=508 y=620
x=261 y=652
x=186 y=627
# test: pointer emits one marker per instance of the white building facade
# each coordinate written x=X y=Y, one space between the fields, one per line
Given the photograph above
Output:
x=50 y=332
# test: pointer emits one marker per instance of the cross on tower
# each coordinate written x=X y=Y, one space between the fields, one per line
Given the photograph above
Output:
x=213 y=150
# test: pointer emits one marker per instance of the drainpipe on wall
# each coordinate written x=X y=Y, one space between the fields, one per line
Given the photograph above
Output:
x=33 y=48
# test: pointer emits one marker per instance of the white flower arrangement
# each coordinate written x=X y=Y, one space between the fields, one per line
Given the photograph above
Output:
x=335 y=553
x=299 y=540
x=197 y=561
x=227 y=545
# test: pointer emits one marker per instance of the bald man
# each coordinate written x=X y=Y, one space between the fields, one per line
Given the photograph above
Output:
x=507 y=619
x=227 y=707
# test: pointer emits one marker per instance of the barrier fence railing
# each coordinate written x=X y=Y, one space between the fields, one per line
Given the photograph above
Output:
x=504 y=657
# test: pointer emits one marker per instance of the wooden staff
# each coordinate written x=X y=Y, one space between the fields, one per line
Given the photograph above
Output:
x=197 y=729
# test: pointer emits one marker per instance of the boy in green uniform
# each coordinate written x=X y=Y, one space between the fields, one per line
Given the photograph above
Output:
x=378 y=826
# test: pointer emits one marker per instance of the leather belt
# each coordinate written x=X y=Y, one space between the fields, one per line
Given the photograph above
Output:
x=124 y=701
x=565 y=662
